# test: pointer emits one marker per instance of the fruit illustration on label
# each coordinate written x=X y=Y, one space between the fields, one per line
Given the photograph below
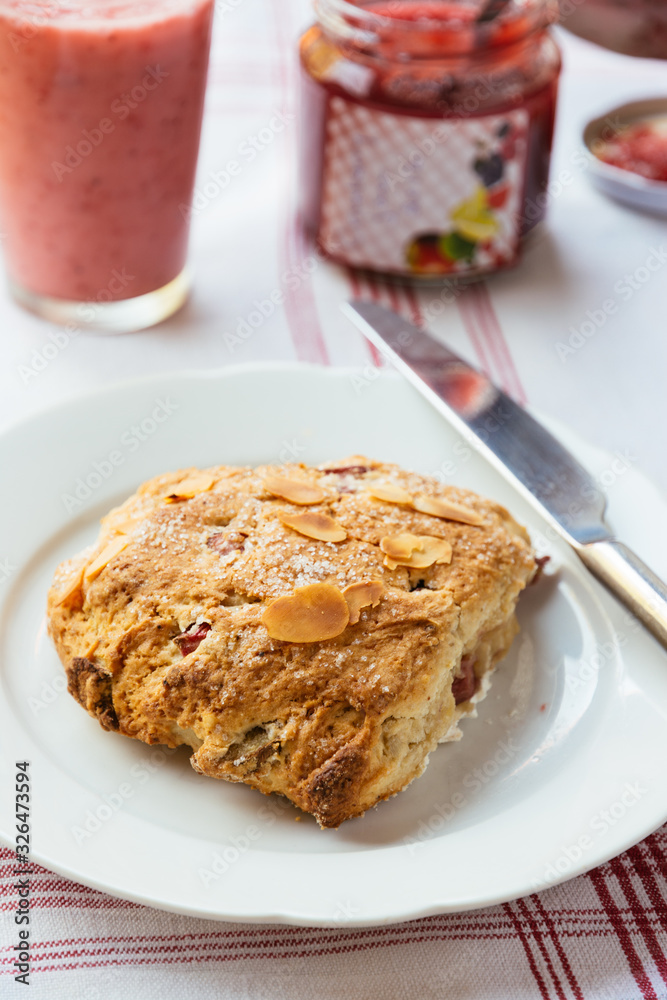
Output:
x=489 y=169
x=498 y=195
x=473 y=218
x=426 y=255
x=490 y=166
x=474 y=223
x=457 y=247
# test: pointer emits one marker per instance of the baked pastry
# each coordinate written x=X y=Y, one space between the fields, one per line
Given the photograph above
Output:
x=309 y=631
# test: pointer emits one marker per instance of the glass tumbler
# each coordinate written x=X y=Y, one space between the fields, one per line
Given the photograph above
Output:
x=100 y=116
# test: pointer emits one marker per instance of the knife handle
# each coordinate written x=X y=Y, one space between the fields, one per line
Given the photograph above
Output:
x=630 y=579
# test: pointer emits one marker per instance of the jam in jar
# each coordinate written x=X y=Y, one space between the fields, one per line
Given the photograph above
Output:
x=426 y=132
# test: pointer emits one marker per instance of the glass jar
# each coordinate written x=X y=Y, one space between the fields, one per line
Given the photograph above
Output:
x=426 y=132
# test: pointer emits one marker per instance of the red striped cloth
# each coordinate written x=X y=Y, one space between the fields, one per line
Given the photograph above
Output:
x=601 y=935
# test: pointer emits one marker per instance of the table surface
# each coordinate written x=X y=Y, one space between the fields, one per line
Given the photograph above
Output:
x=537 y=331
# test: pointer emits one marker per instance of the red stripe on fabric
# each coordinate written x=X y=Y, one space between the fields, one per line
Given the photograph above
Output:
x=195 y=957
x=299 y=302
x=393 y=294
x=537 y=975
x=373 y=288
x=560 y=951
x=612 y=910
x=376 y=357
x=248 y=948
x=356 y=289
x=553 y=934
x=652 y=847
x=538 y=937
x=497 y=343
x=81 y=902
x=470 y=934
x=483 y=328
x=353 y=280
x=375 y=295
x=188 y=960
x=400 y=297
x=646 y=931
x=443 y=922
x=470 y=320
x=413 y=303
x=298 y=935
x=651 y=884
x=475 y=301
x=43 y=880
x=388 y=292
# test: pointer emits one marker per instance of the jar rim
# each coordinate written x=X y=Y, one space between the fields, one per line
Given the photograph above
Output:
x=357 y=21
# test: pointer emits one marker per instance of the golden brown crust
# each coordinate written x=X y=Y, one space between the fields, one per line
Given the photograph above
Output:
x=166 y=642
x=330 y=789
x=91 y=685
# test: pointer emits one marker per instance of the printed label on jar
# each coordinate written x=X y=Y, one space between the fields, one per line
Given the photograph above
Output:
x=422 y=196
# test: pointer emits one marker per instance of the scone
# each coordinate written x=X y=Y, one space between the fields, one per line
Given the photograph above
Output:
x=309 y=631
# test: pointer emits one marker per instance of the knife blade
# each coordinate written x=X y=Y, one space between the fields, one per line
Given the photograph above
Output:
x=523 y=451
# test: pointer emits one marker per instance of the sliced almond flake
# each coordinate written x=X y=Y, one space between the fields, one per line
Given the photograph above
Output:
x=295 y=490
x=109 y=552
x=447 y=509
x=127 y=526
x=189 y=488
x=315 y=524
x=362 y=595
x=311 y=614
x=401 y=546
x=391 y=492
x=431 y=552
x=71 y=586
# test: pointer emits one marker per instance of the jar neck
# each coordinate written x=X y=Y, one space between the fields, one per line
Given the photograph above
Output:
x=436 y=30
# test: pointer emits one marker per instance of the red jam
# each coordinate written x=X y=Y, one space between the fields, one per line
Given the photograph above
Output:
x=426 y=136
x=640 y=148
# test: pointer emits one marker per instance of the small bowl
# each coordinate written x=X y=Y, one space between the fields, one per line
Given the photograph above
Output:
x=623 y=185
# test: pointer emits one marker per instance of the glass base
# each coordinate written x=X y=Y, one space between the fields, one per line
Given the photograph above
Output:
x=121 y=316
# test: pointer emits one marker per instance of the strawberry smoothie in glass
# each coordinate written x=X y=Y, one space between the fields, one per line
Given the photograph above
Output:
x=100 y=114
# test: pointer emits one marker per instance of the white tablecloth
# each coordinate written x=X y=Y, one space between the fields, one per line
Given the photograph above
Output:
x=542 y=332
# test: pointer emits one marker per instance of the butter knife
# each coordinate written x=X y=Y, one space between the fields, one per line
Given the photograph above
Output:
x=523 y=451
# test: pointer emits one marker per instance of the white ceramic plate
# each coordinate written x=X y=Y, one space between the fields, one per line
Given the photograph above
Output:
x=563 y=768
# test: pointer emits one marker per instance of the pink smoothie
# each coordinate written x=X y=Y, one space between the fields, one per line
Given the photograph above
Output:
x=100 y=114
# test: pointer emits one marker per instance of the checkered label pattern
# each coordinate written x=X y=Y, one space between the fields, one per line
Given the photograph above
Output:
x=422 y=195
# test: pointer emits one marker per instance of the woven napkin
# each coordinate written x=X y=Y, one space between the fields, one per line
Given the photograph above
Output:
x=601 y=936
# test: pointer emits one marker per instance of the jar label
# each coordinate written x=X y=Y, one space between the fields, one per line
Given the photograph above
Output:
x=423 y=195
